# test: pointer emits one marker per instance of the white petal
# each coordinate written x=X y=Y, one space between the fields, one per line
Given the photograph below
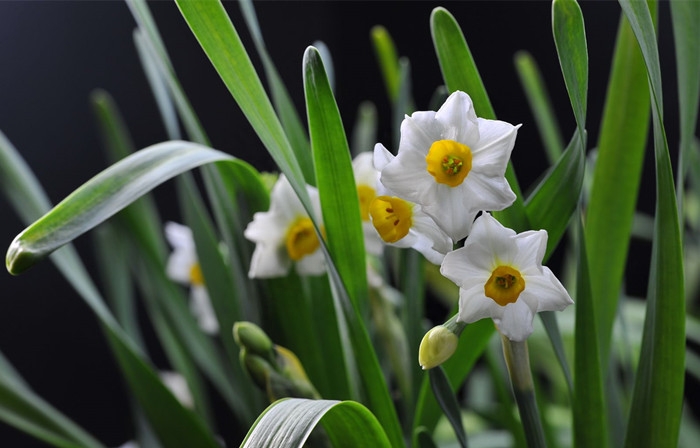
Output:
x=201 y=308
x=458 y=119
x=179 y=265
x=269 y=261
x=419 y=132
x=496 y=142
x=490 y=243
x=374 y=245
x=312 y=264
x=178 y=235
x=363 y=169
x=447 y=209
x=531 y=248
x=481 y=192
x=381 y=157
x=516 y=321
x=465 y=269
x=407 y=177
x=547 y=290
x=284 y=203
x=474 y=305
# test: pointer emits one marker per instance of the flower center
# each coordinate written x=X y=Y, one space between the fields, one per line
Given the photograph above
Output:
x=366 y=195
x=196 y=277
x=391 y=217
x=505 y=285
x=449 y=162
x=301 y=239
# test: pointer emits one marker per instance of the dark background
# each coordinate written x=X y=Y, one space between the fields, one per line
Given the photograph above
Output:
x=53 y=54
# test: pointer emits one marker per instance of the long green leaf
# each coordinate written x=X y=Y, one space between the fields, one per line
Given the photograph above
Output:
x=589 y=410
x=556 y=197
x=570 y=39
x=159 y=405
x=387 y=56
x=280 y=96
x=657 y=401
x=540 y=104
x=685 y=17
x=24 y=409
x=448 y=402
x=341 y=213
x=287 y=424
x=220 y=41
x=103 y=196
x=618 y=169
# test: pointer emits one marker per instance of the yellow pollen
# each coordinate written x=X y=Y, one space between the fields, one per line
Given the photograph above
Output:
x=391 y=217
x=366 y=195
x=301 y=239
x=505 y=285
x=196 y=277
x=449 y=162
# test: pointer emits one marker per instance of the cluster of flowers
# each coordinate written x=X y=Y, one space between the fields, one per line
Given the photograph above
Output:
x=448 y=174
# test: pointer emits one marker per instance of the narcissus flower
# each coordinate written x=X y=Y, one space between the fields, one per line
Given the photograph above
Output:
x=285 y=235
x=453 y=164
x=402 y=223
x=183 y=267
x=367 y=181
x=500 y=275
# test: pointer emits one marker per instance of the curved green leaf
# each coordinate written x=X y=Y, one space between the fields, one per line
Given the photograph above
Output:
x=385 y=52
x=159 y=405
x=103 y=196
x=288 y=423
x=657 y=400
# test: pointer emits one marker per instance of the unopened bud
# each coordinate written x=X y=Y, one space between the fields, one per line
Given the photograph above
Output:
x=251 y=337
x=437 y=346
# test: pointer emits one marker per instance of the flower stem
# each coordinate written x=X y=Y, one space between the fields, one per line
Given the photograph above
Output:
x=518 y=362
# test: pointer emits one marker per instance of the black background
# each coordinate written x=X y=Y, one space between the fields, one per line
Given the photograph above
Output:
x=53 y=54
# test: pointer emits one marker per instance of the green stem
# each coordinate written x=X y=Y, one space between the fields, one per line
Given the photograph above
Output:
x=518 y=362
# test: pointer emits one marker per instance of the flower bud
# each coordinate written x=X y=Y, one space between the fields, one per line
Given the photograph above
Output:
x=437 y=346
x=251 y=337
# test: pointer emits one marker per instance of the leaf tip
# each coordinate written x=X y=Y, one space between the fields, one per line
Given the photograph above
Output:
x=18 y=259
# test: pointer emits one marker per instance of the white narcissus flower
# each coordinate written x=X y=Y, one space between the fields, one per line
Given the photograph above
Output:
x=453 y=164
x=183 y=267
x=285 y=234
x=500 y=275
x=367 y=182
x=402 y=223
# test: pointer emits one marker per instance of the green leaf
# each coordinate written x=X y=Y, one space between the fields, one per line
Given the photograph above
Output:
x=25 y=410
x=287 y=423
x=685 y=16
x=280 y=96
x=387 y=56
x=103 y=196
x=589 y=406
x=161 y=408
x=555 y=198
x=341 y=213
x=220 y=41
x=570 y=40
x=621 y=145
x=336 y=183
x=448 y=402
x=536 y=93
x=456 y=62
x=657 y=400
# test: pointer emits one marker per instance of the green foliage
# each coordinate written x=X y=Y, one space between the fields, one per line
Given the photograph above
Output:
x=343 y=335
